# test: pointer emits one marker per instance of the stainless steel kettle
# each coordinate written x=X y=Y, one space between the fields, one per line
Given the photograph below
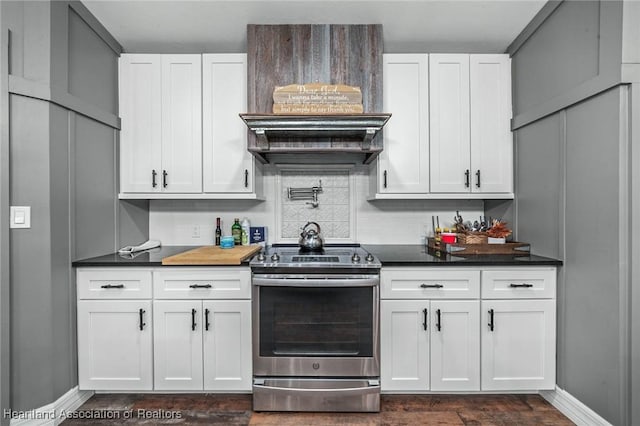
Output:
x=310 y=239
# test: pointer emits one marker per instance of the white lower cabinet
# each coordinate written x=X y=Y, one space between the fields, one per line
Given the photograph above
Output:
x=518 y=344
x=430 y=345
x=202 y=344
x=440 y=332
x=185 y=336
x=115 y=345
x=429 y=329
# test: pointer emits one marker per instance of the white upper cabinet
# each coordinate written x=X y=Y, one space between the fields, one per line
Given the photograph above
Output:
x=140 y=111
x=450 y=138
x=471 y=148
x=403 y=165
x=227 y=165
x=491 y=139
x=161 y=136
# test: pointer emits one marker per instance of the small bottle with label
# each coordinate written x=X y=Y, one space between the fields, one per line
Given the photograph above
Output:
x=236 y=231
x=245 y=231
x=218 y=231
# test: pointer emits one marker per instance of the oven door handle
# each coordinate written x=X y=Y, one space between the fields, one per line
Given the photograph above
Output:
x=316 y=281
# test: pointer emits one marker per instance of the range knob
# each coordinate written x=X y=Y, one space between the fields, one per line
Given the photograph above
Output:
x=369 y=257
x=355 y=258
x=275 y=257
x=261 y=257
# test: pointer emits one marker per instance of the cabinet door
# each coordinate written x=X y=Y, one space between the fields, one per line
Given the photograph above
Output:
x=227 y=165
x=449 y=122
x=404 y=345
x=140 y=112
x=227 y=345
x=491 y=139
x=181 y=124
x=114 y=345
x=177 y=344
x=404 y=162
x=518 y=345
x=455 y=345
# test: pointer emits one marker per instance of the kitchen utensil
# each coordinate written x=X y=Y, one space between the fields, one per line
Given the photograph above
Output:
x=310 y=238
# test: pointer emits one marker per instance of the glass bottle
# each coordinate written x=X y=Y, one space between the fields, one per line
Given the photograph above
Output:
x=218 y=231
x=236 y=232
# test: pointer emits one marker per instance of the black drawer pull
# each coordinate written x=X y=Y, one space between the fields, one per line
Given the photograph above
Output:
x=112 y=286
x=523 y=285
x=153 y=178
x=438 y=321
x=478 y=179
x=141 y=314
x=384 y=179
x=193 y=319
x=200 y=286
x=246 y=178
x=431 y=286
x=466 y=179
x=207 y=324
x=164 y=178
x=490 y=320
x=424 y=316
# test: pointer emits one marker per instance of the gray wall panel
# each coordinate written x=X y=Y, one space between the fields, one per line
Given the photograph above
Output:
x=30 y=250
x=543 y=73
x=93 y=66
x=63 y=345
x=539 y=184
x=95 y=202
x=133 y=222
x=591 y=273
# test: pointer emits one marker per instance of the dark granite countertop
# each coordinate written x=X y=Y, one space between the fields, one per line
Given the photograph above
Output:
x=151 y=257
x=417 y=255
x=389 y=255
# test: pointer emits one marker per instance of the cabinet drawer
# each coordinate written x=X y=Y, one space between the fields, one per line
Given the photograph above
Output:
x=539 y=283
x=114 y=284
x=210 y=283
x=429 y=283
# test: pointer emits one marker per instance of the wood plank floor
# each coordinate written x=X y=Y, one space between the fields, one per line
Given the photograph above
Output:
x=233 y=409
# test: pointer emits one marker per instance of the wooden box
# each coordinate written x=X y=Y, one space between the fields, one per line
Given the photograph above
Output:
x=510 y=248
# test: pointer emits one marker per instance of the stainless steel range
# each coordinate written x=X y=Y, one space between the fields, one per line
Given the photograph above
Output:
x=316 y=330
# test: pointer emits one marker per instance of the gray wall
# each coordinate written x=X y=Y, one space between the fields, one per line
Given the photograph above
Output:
x=574 y=199
x=61 y=91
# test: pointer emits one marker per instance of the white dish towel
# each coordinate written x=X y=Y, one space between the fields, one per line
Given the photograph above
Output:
x=142 y=247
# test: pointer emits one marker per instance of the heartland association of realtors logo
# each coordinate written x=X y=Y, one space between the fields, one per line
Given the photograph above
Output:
x=91 y=414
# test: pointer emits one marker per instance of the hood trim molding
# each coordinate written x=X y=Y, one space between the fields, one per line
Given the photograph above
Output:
x=356 y=132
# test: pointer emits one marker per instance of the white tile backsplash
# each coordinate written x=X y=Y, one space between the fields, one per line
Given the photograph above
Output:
x=373 y=222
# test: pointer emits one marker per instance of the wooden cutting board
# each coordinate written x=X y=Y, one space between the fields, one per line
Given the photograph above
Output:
x=213 y=255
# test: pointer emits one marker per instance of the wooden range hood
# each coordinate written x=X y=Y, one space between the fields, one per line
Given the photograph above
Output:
x=279 y=55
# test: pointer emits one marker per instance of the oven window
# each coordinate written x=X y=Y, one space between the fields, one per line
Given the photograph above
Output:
x=325 y=322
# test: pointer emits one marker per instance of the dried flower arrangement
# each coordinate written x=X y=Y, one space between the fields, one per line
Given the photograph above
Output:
x=498 y=229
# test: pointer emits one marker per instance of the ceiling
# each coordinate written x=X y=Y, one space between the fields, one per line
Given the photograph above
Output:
x=217 y=26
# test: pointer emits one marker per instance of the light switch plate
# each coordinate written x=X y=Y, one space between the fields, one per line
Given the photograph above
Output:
x=20 y=217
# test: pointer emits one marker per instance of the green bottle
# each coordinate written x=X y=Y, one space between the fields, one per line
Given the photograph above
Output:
x=236 y=232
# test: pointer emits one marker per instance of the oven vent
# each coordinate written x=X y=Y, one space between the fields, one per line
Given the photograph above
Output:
x=289 y=134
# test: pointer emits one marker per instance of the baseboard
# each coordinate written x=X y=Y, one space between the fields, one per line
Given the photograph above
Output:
x=52 y=414
x=571 y=407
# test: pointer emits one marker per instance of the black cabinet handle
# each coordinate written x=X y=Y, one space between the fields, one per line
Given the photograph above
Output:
x=466 y=178
x=206 y=319
x=164 y=178
x=490 y=320
x=431 y=286
x=200 y=286
x=478 y=179
x=193 y=319
x=523 y=285
x=384 y=179
x=246 y=178
x=153 y=178
x=141 y=315
x=438 y=320
x=112 y=286
x=424 y=317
